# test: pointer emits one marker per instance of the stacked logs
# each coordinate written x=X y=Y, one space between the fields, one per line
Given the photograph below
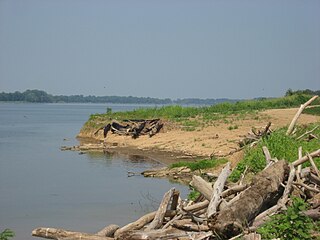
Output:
x=222 y=210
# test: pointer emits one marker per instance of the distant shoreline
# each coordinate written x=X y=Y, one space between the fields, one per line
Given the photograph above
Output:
x=39 y=96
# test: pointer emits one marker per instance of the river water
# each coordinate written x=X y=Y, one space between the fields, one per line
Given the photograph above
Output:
x=43 y=186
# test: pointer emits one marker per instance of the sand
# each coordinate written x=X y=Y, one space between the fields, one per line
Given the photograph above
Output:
x=218 y=139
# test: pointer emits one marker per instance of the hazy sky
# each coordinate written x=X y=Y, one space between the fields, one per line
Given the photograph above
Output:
x=164 y=48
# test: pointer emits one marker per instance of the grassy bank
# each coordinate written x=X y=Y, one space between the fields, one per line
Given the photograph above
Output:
x=280 y=147
x=192 y=117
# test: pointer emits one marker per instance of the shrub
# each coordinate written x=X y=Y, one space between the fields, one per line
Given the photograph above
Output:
x=291 y=224
x=6 y=234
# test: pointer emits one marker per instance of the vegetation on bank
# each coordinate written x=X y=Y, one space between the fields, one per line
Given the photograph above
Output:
x=200 y=164
x=280 y=146
x=290 y=224
x=193 y=117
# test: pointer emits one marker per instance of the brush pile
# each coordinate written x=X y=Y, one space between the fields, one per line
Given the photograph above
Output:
x=222 y=211
x=133 y=128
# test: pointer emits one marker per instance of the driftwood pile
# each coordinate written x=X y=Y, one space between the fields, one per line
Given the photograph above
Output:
x=221 y=211
x=133 y=128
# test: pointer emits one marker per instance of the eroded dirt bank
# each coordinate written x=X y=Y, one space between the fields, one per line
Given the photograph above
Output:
x=220 y=138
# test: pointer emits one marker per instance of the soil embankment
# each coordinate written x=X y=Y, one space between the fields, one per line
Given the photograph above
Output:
x=220 y=138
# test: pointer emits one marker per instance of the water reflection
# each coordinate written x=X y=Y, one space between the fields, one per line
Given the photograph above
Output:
x=128 y=161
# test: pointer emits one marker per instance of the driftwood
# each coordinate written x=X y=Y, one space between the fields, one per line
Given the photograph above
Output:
x=158 y=219
x=234 y=208
x=53 y=233
x=108 y=231
x=306 y=158
x=133 y=128
x=255 y=135
x=140 y=223
x=295 y=118
x=217 y=190
x=264 y=190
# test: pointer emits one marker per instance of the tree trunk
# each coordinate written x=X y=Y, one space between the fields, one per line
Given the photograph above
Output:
x=264 y=191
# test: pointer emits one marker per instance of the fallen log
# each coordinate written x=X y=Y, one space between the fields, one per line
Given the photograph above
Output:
x=54 y=233
x=263 y=192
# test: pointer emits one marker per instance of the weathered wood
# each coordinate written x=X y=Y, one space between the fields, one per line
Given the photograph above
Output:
x=217 y=190
x=188 y=225
x=267 y=154
x=306 y=133
x=158 y=219
x=175 y=200
x=140 y=223
x=260 y=219
x=108 y=231
x=165 y=234
x=306 y=187
x=288 y=187
x=295 y=118
x=314 y=166
x=252 y=236
x=264 y=190
x=313 y=213
x=202 y=186
x=54 y=233
x=197 y=206
x=306 y=158
x=243 y=174
x=234 y=190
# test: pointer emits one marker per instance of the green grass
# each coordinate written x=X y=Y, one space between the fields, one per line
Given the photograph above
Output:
x=313 y=111
x=193 y=194
x=192 y=118
x=200 y=164
x=280 y=146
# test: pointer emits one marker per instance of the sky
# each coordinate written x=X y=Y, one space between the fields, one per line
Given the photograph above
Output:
x=163 y=49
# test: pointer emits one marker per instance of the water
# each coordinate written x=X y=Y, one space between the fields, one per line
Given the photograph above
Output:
x=43 y=186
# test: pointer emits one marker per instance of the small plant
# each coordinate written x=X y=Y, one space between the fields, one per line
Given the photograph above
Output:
x=290 y=224
x=6 y=234
x=233 y=127
x=109 y=110
x=193 y=194
x=202 y=164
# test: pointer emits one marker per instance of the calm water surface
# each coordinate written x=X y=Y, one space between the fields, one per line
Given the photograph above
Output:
x=43 y=186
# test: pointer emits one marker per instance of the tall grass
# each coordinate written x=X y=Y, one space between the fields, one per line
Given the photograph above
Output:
x=207 y=113
x=280 y=146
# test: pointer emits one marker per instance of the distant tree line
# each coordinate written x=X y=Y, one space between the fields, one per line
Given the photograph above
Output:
x=290 y=92
x=39 y=96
